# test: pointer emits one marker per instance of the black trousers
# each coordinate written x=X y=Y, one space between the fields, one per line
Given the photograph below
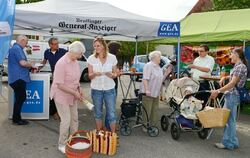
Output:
x=19 y=88
x=204 y=85
x=52 y=105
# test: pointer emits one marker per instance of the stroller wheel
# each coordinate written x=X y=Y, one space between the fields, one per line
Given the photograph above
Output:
x=164 y=123
x=153 y=131
x=175 y=131
x=203 y=133
x=125 y=130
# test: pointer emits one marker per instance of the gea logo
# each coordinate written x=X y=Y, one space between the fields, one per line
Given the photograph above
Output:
x=169 y=27
x=32 y=95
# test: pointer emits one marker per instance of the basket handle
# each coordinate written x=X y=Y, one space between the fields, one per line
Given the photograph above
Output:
x=216 y=105
x=208 y=102
x=74 y=134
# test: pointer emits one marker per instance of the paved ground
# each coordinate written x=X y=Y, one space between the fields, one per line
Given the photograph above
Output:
x=39 y=139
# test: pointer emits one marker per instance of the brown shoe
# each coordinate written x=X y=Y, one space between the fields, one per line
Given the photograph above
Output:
x=56 y=116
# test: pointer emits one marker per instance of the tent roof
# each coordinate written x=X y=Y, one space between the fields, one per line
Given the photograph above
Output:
x=80 y=8
x=228 y=25
x=40 y=17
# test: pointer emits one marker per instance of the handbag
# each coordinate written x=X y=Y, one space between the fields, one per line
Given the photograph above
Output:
x=103 y=142
x=212 y=117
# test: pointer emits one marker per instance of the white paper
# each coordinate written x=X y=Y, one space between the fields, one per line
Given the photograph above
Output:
x=38 y=65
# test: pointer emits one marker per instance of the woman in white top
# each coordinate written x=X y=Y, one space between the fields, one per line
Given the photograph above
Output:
x=102 y=70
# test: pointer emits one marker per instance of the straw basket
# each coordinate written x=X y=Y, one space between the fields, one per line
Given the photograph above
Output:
x=77 y=137
x=211 y=118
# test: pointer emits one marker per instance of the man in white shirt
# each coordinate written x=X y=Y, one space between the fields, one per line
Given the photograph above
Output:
x=202 y=66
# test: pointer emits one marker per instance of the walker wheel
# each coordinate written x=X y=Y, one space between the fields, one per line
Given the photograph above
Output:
x=175 y=131
x=153 y=131
x=125 y=130
x=164 y=123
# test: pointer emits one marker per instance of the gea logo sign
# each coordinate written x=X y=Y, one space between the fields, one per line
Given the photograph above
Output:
x=34 y=97
x=169 y=29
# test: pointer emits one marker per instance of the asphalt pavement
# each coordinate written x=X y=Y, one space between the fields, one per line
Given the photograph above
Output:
x=39 y=138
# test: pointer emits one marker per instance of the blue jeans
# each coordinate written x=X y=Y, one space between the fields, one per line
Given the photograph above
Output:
x=109 y=98
x=230 y=139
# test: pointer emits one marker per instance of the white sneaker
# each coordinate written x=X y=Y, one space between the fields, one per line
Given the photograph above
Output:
x=61 y=148
x=144 y=129
x=219 y=146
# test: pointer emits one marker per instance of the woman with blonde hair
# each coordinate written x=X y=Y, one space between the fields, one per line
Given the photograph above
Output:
x=102 y=71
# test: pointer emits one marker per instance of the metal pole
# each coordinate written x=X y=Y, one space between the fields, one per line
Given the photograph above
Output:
x=1 y=79
x=147 y=48
x=178 y=58
x=244 y=45
x=136 y=45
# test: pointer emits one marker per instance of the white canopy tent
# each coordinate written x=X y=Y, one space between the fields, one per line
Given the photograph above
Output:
x=87 y=19
x=84 y=19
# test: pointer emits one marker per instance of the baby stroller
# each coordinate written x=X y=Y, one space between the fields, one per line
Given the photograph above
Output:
x=131 y=116
x=181 y=98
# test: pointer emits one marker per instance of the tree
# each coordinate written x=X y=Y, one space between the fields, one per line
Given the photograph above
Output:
x=230 y=4
x=127 y=51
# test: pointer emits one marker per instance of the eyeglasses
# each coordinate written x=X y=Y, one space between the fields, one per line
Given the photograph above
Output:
x=54 y=43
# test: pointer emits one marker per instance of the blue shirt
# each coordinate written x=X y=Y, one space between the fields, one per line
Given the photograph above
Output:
x=53 y=58
x=15 y=70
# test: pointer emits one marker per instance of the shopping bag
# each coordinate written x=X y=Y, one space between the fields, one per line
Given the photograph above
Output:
x=212 y=117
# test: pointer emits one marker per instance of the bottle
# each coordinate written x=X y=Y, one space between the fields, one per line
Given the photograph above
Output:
x=124 y=67
x=127 y=66
x=218 y=70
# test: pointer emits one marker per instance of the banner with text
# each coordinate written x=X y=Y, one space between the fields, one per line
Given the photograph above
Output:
x=7 y=12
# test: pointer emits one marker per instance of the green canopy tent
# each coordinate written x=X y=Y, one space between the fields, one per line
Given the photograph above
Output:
x=228 y=27
x=217 y=26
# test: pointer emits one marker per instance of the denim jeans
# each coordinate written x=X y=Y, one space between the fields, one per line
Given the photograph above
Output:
x=109 y=98
x=230 y=139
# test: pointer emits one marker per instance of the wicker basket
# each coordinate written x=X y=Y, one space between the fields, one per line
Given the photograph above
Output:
x=77 y=137
x=211 y=118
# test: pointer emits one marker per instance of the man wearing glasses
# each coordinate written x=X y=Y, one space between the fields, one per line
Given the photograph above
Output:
x=202 y=66
x=53 y=55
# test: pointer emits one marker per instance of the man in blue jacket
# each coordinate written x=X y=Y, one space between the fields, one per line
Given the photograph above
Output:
x=18 y=76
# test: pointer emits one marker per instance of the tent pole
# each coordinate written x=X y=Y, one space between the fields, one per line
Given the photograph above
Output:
x=178 y=58
x=1 y=80
x=136 y=45
x=147 y=48
x=244 y=45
